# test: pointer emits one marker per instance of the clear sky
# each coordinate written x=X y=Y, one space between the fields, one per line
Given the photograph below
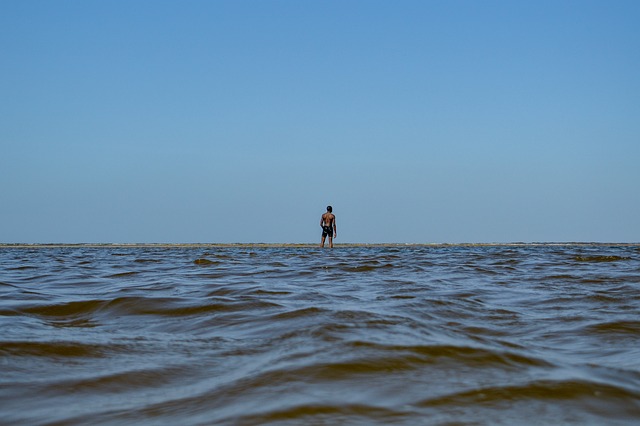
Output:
x=240 y=121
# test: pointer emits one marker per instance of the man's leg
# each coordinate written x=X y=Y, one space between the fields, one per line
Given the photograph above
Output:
x=331 y=241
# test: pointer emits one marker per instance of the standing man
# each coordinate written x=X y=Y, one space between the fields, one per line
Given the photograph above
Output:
x=328 y=224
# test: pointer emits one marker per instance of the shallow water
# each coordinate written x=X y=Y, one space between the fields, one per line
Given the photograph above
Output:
x=544 y=334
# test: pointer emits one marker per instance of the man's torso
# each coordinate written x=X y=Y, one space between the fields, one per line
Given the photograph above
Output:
x=327 y=219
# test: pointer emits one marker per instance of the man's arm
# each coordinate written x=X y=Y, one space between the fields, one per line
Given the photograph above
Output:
x=322 y=221
x=335 y=227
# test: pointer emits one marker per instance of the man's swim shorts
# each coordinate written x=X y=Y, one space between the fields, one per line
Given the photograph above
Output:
x=327 y=230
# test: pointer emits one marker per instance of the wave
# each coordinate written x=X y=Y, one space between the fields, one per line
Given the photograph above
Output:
x=297 y=335
x=160 y=306
x=55 y=349
x=599 y=259
x=563 y=390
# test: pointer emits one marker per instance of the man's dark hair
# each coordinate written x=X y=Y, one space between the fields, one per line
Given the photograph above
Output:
x=329 y=209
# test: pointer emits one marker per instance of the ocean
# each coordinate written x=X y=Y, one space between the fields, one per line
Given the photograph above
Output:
x=526 y=334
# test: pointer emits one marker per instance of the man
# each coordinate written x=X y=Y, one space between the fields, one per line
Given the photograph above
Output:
x=328 y=224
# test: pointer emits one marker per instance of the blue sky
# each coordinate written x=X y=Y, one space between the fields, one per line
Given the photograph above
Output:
x=239 y=121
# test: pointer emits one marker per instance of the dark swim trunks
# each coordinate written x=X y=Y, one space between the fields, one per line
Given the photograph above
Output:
x=327 y=230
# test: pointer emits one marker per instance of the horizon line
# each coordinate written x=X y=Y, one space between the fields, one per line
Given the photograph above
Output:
x=305 y=245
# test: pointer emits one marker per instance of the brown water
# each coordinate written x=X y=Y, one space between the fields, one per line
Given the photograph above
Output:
x=544 y=334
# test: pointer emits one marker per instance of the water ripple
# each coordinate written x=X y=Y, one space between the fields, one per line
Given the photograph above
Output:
x=243 y=335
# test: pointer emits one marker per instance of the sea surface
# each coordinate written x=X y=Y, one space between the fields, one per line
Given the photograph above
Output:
x=543 y=334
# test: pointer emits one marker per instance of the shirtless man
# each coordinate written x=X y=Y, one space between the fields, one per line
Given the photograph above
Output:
x=328 y=224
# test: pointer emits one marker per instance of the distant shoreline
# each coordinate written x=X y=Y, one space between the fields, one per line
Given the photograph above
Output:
x=303 y=245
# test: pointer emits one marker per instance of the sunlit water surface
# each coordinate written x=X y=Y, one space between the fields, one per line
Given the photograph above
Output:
x=533 y=334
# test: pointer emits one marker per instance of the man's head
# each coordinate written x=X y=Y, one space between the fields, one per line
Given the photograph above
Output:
x=329 y=209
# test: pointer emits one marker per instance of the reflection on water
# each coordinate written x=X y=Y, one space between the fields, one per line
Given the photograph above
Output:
x=545 y=334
